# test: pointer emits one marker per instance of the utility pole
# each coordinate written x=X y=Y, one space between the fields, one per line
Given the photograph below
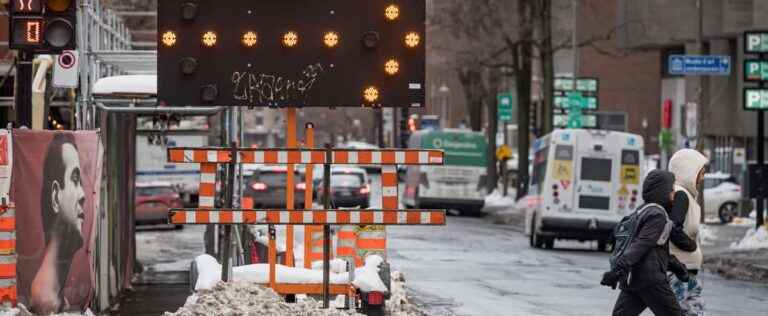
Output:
x=493 y=128
x=24 y=88
x=548 y=66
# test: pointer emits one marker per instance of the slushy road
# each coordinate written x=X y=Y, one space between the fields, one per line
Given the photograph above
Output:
x=474 y=267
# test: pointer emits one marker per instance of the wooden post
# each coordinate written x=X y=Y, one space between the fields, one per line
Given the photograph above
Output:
x=290 y=185
x=309 y=142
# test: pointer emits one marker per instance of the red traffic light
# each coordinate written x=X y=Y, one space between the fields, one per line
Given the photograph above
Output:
x=666 y=114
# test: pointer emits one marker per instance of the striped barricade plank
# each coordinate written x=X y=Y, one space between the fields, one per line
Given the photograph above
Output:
x=8 y=290
x=7 y=243
x=307 y=217
x=207 y=188
x=308 y=156
x=8 y=266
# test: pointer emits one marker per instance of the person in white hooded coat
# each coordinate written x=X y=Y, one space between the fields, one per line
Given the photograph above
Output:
x=688 y=167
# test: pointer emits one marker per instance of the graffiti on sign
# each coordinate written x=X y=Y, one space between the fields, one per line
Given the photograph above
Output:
x=259 y=89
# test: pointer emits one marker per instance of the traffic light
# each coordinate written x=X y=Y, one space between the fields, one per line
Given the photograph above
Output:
x=43 y=26
x=666 y=114
x=292 y=53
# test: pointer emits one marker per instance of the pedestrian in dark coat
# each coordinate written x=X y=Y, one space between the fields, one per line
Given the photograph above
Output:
x=641 y=270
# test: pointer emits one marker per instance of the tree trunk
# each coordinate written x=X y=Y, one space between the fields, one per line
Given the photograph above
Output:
x=522 y=57
x=547 y=68
x=470 y=79
x=493 y=127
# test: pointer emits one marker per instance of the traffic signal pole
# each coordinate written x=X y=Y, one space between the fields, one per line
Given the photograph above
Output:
x=24 y=88
x=760 y=205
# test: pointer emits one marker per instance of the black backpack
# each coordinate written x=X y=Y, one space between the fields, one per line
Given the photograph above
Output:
x=626 y=230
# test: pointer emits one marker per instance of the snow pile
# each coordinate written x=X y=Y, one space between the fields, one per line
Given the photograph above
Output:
x=398 y=304
x=497 y=199
x=243 y=298
x=337 y=265
x=209 y=274
x=753 y=239
x=707 y=235
x=367 y=277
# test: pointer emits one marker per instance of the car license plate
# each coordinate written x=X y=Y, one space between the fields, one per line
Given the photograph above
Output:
x=345 y=193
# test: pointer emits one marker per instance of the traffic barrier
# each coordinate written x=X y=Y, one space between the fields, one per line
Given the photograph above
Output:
x=8 y=291
x=365 y=233
x=307 y=156
x=306 y=217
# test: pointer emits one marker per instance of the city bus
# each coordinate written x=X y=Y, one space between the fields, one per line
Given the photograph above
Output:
x=459 y=184
x=583 y=182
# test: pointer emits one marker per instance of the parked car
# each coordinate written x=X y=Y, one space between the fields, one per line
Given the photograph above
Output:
x=266 y=187
x=721 y=196
x=153 y=200
x=350 y=187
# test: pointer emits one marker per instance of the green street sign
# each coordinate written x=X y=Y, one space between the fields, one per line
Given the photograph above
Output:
x=587 y=121
x=755 y=42
x=505 y=103
x=755 y=99
x=755 y=70
x=586 y=85
x=564 y=84
x=561 y=102
x=576 y=103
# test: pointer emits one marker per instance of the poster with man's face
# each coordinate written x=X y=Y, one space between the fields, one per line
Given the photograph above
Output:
x=54 y=185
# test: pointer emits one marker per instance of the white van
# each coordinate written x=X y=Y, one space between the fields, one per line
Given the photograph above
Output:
x=583 y=182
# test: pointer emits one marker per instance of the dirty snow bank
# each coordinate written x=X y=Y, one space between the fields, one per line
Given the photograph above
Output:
x=243 y=298
x=398 y=304
x=707 y=234
x=496 y=199
x=753 y=239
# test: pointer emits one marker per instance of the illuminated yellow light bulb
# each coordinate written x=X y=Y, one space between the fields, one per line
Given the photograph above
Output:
x=290 y=39
x=331 y=39
x=371 y=94
x=250 y=39
x=169 y=38
x=209 y=39
x=392 y=67
x=412 y=39
x=392 y=12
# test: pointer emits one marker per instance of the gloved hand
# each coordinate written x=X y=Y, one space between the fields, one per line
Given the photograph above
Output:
x=683 y=276
x=611 y=279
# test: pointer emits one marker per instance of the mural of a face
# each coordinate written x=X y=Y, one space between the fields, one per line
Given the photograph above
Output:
x=69 y=197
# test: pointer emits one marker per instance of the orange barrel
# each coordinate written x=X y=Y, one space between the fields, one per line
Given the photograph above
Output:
x=371 y=239
x=346 y=244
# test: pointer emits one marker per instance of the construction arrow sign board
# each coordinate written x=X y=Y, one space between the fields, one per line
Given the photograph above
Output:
x=292 y=53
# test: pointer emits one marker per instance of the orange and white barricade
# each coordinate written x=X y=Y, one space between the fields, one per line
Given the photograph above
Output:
x=8 y=292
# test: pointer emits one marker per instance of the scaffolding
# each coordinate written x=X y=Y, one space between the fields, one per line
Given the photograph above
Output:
x=106 y=49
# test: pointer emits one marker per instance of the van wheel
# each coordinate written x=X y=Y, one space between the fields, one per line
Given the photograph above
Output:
x=602 y=245
x=535 y=239
x=549 y=243
x=727 y=212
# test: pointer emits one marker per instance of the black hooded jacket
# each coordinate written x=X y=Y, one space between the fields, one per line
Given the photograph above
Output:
x=646 y=260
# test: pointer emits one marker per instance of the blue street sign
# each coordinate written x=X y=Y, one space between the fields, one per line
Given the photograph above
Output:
x=717 y=65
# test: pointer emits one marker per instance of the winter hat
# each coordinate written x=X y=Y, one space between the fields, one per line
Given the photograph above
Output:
x=657 y=187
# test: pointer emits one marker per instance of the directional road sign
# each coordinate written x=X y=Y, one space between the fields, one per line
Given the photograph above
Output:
x=292 y=53
x=699 y=65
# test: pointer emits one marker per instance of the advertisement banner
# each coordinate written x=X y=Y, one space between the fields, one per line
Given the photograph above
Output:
x=55 y=182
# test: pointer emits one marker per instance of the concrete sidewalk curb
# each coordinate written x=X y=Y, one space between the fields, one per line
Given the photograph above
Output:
x=745 y=265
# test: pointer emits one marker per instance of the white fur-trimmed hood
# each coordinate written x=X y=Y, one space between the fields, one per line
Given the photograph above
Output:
x=686 y=164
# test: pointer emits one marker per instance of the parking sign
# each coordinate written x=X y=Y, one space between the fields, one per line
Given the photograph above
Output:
x=755 y=99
